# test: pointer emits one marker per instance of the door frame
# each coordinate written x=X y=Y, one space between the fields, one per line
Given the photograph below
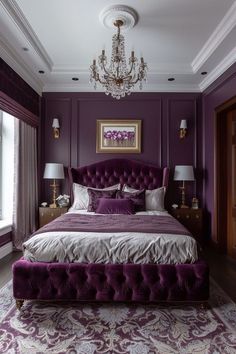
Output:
x=220 y=220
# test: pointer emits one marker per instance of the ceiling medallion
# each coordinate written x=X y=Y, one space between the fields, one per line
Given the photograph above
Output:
x=119 y=77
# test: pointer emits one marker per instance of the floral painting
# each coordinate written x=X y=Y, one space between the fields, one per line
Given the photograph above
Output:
x=119 y=136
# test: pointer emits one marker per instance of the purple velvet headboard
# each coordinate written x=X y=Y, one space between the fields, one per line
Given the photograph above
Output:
x=135 y=174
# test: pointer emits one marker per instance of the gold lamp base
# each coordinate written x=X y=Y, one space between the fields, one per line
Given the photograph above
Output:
x=54 y=195
x=183 y=205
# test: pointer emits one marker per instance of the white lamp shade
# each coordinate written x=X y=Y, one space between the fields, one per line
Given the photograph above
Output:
x=54 y=171
x=184 y=173
x=183 y=124
x=55 y=123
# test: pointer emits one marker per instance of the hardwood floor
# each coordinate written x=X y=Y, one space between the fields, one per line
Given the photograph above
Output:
x=5 y=267
x=222 y=270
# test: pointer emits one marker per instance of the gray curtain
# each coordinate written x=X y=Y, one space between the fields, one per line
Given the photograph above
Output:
x=25 y=204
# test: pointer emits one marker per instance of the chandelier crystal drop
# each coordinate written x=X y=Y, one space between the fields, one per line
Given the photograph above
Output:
x=119 y=78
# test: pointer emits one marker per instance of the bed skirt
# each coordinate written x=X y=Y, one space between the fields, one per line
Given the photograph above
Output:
x=110 y=282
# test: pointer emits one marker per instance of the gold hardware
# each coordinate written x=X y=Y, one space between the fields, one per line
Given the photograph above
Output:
x=182 y=133
x=197 y=216
x=187 y=216
x=56 y=133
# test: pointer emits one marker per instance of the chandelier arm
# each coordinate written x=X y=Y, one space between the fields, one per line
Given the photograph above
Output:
x=131 y=68
x=99 y=80
x=137 y=80
x=107 y=73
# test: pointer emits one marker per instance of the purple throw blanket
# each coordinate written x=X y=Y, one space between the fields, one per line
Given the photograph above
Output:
x=115 y=223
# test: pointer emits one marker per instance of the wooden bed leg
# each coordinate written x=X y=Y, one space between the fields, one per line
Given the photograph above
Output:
x=19 y=304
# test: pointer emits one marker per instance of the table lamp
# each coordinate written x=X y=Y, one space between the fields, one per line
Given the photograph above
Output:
x=54 y=171
x=183 y=173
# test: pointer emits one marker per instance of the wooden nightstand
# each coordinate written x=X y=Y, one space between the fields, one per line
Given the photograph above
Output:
x=191 y=219
x=48 y=214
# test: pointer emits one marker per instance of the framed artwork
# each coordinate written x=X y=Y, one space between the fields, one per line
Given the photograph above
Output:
x=118 y=136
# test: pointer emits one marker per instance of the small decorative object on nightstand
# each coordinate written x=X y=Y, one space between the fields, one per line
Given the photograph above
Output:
x=195 y=203
x=49 y=214
x=63 y=200
x=191 y=219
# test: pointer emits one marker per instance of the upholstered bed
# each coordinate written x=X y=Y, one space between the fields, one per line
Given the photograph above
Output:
x=81 y=281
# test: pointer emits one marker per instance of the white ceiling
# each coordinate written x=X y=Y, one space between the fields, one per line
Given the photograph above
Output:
x=178 y=38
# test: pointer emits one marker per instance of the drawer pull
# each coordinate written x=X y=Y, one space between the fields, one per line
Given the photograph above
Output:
x=187 y=216
x=52 y=214
x=197 y=216
x=178 y=216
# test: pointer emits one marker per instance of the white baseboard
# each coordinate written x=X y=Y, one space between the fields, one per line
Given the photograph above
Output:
x=6 y=249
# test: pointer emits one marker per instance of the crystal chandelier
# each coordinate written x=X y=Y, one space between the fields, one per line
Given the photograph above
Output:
x=118 y=79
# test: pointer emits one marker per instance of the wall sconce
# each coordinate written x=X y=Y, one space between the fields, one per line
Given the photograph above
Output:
x=56 y=128
x=183 y=128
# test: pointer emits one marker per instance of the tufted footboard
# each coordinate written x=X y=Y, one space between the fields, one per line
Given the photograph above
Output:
x=110 y=282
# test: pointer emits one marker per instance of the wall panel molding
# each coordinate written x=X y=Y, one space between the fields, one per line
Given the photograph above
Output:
x=158 y=112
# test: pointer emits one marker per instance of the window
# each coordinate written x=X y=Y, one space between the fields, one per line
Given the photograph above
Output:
x=6 y=165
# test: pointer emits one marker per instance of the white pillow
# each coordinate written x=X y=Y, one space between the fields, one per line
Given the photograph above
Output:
x=81 y=197
x=154 y=198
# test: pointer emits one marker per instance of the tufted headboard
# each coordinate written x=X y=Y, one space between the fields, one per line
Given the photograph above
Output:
x=135 y=174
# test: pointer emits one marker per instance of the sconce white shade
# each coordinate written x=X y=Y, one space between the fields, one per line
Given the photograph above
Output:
x=54 y=171
x=184 y=173
x=55 y=123
x=183 y=124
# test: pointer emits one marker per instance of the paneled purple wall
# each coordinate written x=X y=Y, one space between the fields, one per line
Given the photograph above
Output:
x=160 y=114
x=218 y=93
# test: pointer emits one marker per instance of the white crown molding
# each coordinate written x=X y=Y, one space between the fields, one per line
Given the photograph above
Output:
x=6 y=249
x=16 y=15
x=229 y=60
x=10 y=56
x=222 y=30
x=146 y=88
x=162 y=69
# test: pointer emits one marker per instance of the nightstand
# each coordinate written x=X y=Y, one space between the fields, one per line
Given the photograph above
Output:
x=48 y=214
x=191 y=219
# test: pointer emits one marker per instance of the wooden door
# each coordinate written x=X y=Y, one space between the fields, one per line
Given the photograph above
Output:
x=231 y=183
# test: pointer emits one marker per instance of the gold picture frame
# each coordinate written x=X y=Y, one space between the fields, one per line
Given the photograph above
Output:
x=118 y=136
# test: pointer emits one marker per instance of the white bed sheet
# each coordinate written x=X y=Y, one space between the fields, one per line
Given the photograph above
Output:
x=121 y=247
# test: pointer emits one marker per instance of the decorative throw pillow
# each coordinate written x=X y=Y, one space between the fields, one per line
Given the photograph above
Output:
x=154 y=198
x=115 y=206
x=94 y=196
x=81 y=197
x=138 y=199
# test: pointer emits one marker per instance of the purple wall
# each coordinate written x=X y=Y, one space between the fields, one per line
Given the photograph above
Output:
x=218 y=93
x=160 y=114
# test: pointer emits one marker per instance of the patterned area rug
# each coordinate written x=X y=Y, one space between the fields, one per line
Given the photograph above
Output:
x=118 y=328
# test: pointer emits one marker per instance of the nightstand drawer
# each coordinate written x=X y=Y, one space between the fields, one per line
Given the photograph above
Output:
x=49 y=214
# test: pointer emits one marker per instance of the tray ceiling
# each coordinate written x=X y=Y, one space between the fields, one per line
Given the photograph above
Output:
x=178 y=38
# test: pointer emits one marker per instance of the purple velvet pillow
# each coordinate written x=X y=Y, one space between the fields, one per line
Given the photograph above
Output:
x=94 y=195
x=137 y=198
x=115 y=206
